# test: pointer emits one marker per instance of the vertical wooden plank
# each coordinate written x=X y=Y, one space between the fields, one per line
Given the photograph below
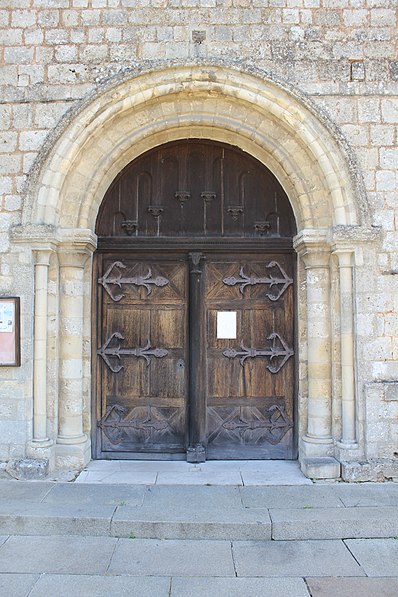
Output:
x=197 y=364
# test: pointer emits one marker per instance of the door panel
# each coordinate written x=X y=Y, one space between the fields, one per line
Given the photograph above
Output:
x=250 y=379
x=142 y=355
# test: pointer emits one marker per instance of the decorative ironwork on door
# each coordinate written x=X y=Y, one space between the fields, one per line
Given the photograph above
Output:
x=146 y=352
x=188 y=231
x=113 y=277
x=277 y=349
x=283 y=280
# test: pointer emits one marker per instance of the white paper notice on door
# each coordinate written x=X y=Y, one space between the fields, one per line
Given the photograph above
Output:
x=226 y=325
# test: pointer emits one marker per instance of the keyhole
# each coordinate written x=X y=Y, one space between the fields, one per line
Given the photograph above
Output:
x=180 y=364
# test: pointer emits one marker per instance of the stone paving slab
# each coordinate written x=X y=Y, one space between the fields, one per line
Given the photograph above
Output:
x=17 y=585
x=24 y=490
x=196 y=497
x=107 y=495
x=23 y=518
x=298 y=558
x=117 y=478
x=200 y=478
x=212 y=472
x=256 y=478
x=183 y=522
x=314 y=496
x=367 y=494
x=148 y=557
x=101 y=586
x=378 y=557
x=353 y=587
x=238 y=587
x=71 y=555
x=192 y=512
x=333 y=523
x=207 y=512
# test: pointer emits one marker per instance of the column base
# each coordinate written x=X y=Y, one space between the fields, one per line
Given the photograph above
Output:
x=315 y=447
x=42 y=450
x=71 y=440
x=320 y=468
x=72 y=456
x=347 y=451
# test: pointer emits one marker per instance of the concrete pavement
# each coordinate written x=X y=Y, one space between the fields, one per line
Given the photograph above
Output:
x=300 y=540
x=300 y=512
x=85 y=566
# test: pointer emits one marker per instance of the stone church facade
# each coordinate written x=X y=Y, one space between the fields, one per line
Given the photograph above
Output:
x=309 y=90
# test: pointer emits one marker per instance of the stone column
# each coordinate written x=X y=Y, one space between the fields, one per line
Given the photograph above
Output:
x=73 y=446
x=40 y=446
x=316 y=446
x=348 y=406
x=319 y=422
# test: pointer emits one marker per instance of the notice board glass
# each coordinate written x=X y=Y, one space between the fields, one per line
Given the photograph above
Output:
x=10 y=353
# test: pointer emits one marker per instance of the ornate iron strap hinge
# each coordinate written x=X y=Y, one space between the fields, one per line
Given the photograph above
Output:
x=278 y=349
x=271 y=280
x=146 y=352
x=115 y=278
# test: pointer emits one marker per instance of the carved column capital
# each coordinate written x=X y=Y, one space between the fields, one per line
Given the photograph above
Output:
x=316 y=259
x=72 y=258
x=42 y=255
x=345 y=256
x=313 y=248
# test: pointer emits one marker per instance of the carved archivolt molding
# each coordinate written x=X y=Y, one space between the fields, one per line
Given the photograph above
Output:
x=219 y=103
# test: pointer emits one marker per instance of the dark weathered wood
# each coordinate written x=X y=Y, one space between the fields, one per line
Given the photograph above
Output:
x=196 y=189
x=142 y=352
x=197 y=386
x=188 y=229
x=250 y=395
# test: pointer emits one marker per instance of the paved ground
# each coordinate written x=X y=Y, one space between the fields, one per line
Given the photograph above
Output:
x=38 y=566
x=212 y=472
x=91 y=539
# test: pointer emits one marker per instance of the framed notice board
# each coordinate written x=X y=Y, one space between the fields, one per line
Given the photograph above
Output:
x=10 y=337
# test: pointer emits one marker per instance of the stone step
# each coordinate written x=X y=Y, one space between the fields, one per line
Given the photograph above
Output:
x=191 y=512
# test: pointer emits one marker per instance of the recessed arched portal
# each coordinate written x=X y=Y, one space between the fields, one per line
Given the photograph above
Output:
x=194 y=278
x=138 y=112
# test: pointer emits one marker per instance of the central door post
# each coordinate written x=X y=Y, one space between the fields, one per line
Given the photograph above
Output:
x=197 y=366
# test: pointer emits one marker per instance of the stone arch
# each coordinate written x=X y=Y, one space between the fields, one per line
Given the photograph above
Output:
x=261 y=117
x=256 y=114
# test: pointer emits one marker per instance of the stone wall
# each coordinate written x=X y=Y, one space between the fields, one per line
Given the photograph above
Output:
x=340 y=54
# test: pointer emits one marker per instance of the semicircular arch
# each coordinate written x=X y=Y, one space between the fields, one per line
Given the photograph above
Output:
x=226 y=105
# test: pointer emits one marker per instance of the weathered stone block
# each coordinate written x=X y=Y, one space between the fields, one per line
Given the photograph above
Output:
x=389 y=109
x=27 y=469
x=391 y=391
x=18 y=55
x=320 y=468
x=375 y=470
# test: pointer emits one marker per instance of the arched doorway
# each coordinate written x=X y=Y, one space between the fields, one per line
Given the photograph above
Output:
x=286 y=133
x=195 y=328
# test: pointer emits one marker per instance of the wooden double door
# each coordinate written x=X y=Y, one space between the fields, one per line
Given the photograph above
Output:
x=194 y=301
x=196 y=356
